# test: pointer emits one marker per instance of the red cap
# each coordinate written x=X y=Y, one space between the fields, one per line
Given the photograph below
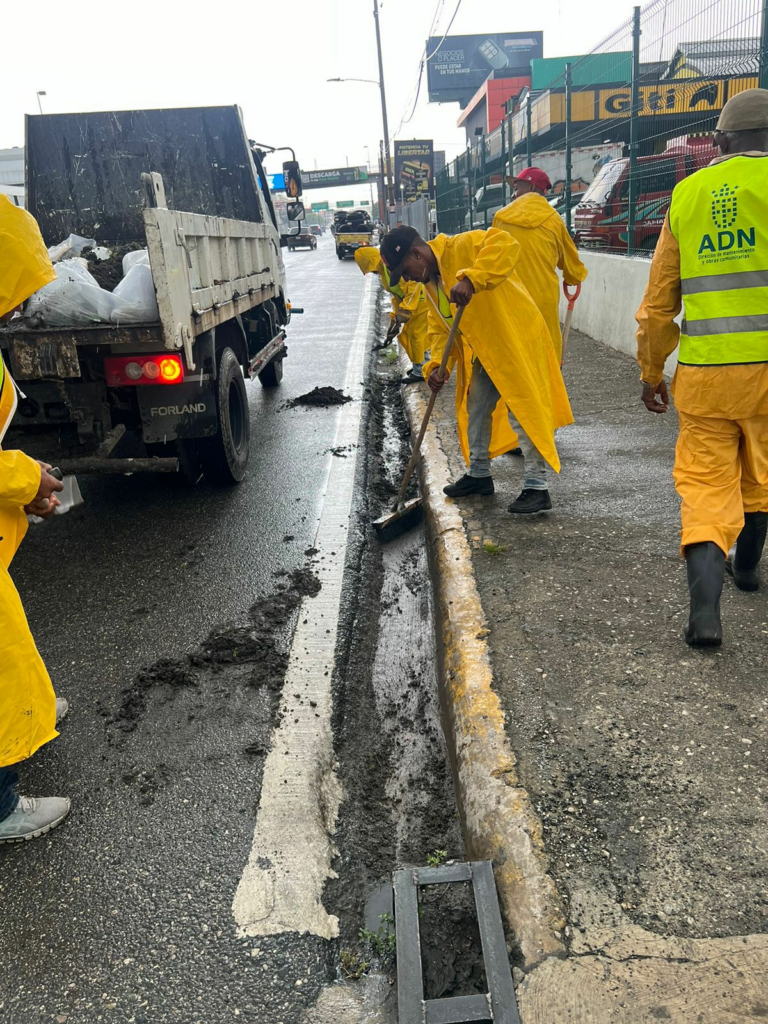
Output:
x=538 y=178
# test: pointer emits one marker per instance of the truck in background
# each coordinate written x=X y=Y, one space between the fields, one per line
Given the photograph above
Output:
x=187 y=186
x=352 y=229
x=601 y=219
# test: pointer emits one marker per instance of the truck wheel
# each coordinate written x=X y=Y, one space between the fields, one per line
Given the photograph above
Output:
x=272 y=373
x=225 y=456
x=341 y=257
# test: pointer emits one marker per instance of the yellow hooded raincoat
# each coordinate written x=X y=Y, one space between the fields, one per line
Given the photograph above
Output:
x=27 y=701
x=503 y=328
x=547 y=248
x=407 y=299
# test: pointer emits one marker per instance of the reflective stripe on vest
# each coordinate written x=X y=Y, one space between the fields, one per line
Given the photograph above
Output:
x=719 y=217
x=443 y=305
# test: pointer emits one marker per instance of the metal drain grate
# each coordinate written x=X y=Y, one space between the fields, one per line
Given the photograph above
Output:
x=498 y=1004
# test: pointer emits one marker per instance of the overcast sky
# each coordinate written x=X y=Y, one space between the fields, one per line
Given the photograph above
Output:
x=273 y=60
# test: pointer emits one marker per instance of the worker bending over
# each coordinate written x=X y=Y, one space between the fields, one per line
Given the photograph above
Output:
x=546 y=247
x=712 y=258
x=509 y=383
x=409 y=312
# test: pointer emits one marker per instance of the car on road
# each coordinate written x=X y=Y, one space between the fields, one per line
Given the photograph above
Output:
x=315 y=229
x=305 y=239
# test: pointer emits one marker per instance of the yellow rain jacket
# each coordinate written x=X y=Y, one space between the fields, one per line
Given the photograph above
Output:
x=27 y=701
x=503 y=328
x=407 y=301
x=547 y=248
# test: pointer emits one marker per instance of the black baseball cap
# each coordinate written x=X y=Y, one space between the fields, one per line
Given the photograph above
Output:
x=395 y=247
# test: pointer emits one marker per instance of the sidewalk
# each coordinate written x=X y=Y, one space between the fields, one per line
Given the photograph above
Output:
x=644 y=760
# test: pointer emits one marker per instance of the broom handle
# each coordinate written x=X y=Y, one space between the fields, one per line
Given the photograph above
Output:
x=430 y=405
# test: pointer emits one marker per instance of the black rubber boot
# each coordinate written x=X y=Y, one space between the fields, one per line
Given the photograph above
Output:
x=531 y=502
x=745 y=565
x=706 y=569
x=470 y=485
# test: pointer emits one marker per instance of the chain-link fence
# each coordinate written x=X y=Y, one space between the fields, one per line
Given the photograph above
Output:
x=616 y=129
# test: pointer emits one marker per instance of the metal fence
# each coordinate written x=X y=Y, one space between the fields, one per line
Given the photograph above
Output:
x=616 y=129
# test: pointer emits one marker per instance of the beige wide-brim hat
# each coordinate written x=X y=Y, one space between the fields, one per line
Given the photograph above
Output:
x=747 y=111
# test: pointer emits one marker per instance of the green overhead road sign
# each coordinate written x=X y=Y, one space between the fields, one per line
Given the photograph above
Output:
x=344 y=202
x=334 y=176
x=319 y=206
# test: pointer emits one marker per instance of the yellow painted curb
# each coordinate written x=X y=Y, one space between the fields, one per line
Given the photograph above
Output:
x=500 y=823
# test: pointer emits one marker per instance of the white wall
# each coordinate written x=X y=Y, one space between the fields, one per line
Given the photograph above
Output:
x=609 y=299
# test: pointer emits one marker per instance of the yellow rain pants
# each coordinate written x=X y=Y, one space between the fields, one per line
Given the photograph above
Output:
x=502 y=328
x=408 y=303
x=27 y=701
x=720 y=459
x=547 y=248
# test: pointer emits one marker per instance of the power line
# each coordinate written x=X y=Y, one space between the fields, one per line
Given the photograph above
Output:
x=406 y=120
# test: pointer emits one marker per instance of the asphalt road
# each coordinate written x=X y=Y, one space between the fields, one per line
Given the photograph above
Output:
x=124 y=914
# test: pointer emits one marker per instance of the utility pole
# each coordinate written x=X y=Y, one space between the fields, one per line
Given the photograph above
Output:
x=763 y=77
x=390 y=179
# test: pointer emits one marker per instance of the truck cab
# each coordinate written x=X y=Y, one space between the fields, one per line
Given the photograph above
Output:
x=601 y=219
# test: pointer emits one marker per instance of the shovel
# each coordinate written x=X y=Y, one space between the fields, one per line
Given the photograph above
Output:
x=405 y=513
x=568 y=315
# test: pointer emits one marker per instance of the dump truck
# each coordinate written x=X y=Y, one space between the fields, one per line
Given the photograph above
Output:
x=353 y=230
x=187 y=186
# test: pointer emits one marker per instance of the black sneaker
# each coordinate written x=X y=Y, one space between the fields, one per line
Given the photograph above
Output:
x=531 y=502
x=412 y=377
x=516 y=451
x=470 y=485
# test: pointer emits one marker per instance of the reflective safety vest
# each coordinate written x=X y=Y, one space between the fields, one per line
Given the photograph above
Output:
x=8 y=399
x=719 y=217
x=443 y=306
x=395 y=289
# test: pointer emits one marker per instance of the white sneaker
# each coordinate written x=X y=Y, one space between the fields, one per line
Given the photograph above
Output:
x=62 y=709
x=33 y=817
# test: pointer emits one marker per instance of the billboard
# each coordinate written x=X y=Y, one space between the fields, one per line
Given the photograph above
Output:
x=334 y=176
x=414 y=169
x=458 y=65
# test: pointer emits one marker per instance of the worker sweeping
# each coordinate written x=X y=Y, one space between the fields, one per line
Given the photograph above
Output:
x=28 y=706
x=546 y=246
x=409 y=312
x=509 y=383
x=712 y=258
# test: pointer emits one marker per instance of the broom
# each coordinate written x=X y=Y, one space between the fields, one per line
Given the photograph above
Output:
x=406 y=514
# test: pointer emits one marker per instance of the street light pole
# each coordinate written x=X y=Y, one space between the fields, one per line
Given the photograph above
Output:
x=42 y=92
x=390 y=179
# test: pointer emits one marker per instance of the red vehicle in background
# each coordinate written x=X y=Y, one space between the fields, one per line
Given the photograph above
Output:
x=601 y=217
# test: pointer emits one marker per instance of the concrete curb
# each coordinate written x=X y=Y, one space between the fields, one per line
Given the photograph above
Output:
x=500 y=823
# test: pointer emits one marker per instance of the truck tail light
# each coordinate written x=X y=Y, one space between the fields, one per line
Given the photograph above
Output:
x=122 y=370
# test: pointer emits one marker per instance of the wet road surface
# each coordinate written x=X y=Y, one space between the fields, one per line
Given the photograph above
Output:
x=125 y=913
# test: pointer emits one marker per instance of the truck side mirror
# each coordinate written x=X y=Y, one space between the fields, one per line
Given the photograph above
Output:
x=292 y=175
x=295 y=211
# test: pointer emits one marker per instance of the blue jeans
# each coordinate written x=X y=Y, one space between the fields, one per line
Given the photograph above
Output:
x=481 y=401
x=8 y=798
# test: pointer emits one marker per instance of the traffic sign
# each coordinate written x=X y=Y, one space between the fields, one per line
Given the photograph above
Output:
x=344 y=202
x=318 y=206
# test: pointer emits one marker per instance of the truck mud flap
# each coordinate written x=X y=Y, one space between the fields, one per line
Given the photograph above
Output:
x=177 y=412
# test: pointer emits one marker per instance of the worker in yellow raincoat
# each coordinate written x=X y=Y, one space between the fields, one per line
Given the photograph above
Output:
x=712 y=258
x=28 y=706
x=547 y=246
x=509 y=384
x=409 y=311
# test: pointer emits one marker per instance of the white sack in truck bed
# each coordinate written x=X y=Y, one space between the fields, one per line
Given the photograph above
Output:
x=75 y=299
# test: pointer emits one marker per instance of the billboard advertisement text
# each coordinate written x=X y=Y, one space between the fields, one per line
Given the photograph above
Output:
x=458 y=65
x=414 y=170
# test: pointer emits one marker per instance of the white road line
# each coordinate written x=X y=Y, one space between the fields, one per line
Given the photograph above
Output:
x=282 y=885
